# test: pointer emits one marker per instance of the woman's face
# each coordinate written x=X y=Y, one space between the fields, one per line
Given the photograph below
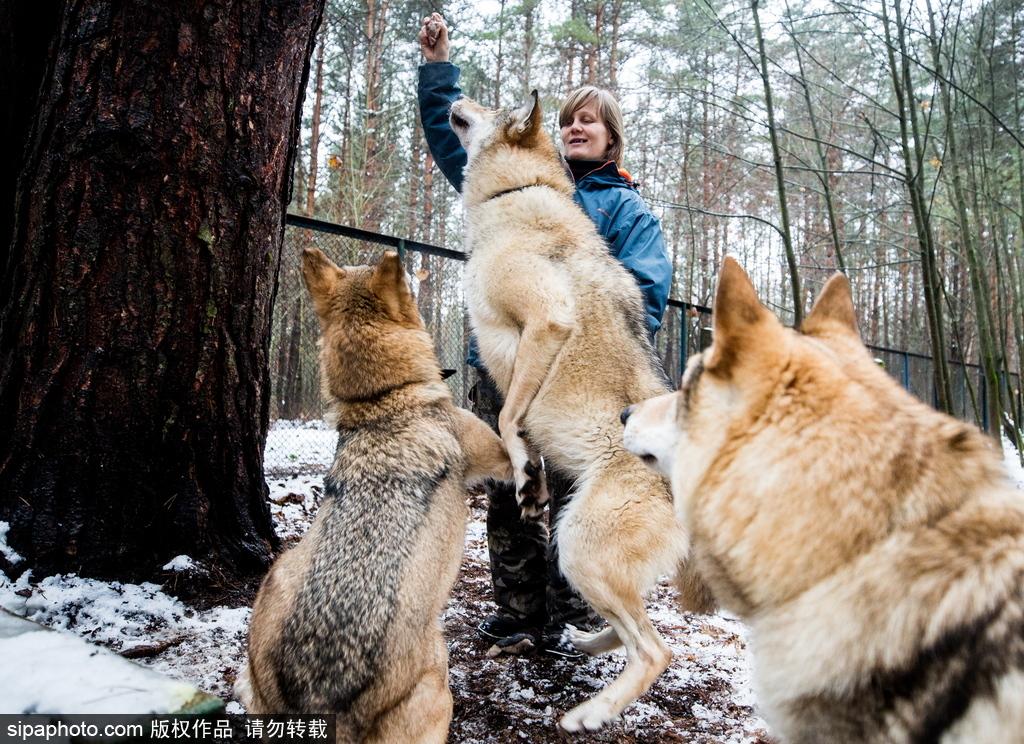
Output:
x=586 y=136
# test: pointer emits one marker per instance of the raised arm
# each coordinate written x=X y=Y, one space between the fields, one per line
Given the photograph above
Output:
x=437 y=89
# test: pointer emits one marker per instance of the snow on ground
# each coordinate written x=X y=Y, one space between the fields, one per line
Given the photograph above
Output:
x=1013 y=466
x=6 y=550
x=81 y=677
x=704 y=696
x=179 y=563
x=298 y=446
x=137 y=620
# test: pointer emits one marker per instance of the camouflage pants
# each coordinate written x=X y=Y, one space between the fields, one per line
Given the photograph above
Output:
x=524 y=553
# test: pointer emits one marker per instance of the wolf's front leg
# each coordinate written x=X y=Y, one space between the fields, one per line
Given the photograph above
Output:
x=541 y=340
x=527 y=469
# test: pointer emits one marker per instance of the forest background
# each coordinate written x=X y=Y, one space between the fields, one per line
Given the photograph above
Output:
x=881 y=139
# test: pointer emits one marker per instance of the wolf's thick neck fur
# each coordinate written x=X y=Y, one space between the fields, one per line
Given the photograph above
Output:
x=504 y=166
x=353 y=413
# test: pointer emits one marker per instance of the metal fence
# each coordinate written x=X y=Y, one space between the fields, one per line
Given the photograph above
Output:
x=300 y=442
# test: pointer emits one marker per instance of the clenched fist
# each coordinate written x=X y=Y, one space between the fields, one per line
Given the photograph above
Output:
x=433 y=38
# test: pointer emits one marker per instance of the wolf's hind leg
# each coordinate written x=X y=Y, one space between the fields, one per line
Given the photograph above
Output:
x=647 y=656
x=595 y=644
x=422 y=716
x=614 y=542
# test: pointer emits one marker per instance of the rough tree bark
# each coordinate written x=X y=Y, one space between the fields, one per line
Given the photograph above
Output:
x=135 y=316
x=27 y=29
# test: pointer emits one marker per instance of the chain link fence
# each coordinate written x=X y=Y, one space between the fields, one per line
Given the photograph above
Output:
x=300 y=442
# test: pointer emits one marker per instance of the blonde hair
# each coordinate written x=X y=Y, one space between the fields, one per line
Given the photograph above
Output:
x=607 y=107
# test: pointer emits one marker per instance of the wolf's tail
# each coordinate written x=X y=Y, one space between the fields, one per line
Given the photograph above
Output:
x=243 y=688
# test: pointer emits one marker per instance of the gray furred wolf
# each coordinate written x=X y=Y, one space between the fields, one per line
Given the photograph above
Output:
x=347 y=622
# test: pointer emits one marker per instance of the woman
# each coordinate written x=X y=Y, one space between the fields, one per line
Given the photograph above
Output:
x=534 y=600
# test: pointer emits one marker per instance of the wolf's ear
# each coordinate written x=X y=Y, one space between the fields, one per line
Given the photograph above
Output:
x=526 y=119
x=321 y=276
x=739 y=318
x=389 y=284
x=833 y=309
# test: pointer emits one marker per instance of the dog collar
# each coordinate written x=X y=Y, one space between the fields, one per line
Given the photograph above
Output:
x=513 y=190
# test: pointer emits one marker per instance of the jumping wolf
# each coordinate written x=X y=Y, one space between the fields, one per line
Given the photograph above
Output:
x=347 y=622
x=561 y=330
x=874 y=546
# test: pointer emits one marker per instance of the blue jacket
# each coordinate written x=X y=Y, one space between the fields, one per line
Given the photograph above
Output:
x=612 y=202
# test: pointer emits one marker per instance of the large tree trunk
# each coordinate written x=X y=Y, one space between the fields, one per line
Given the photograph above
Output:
x=135 y=324
x=27 y=29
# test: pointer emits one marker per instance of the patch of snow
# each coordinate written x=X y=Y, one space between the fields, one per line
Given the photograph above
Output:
x=298 y=446
x=522 y=693
x=1012 y=459
x=294 y=501
x=81 y=678
x=706 y=714
x=12 y=593
x=179 y=563
x=476 y=540
x=204 y=646
x=642 y=712
x=6 y=550
x=234 y=708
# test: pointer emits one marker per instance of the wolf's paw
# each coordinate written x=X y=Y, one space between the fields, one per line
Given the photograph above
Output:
x=589 y=716
x=597 y=643
x=531 y=490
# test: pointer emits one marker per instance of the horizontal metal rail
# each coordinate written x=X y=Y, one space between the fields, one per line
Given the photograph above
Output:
x=309 y=223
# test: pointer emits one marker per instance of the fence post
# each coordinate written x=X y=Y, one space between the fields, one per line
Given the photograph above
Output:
x=963 y=387
x=984 y=400
x=684 y=338
x=401 y=251
x=906 y=371
x=1020 y=402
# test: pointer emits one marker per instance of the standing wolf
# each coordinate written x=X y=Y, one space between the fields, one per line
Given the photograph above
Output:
x=874 y=546
x=561 y=330
x=347 y=622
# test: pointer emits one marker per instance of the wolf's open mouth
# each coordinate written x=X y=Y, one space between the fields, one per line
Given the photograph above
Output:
x=459 y=122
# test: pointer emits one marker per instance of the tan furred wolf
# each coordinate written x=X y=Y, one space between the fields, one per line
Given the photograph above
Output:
x=874 y=546
x=347 y=622
x=561 y=329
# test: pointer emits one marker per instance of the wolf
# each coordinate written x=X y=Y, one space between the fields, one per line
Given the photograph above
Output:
x=874 y=545
x=561 y=330
x=347 y=621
